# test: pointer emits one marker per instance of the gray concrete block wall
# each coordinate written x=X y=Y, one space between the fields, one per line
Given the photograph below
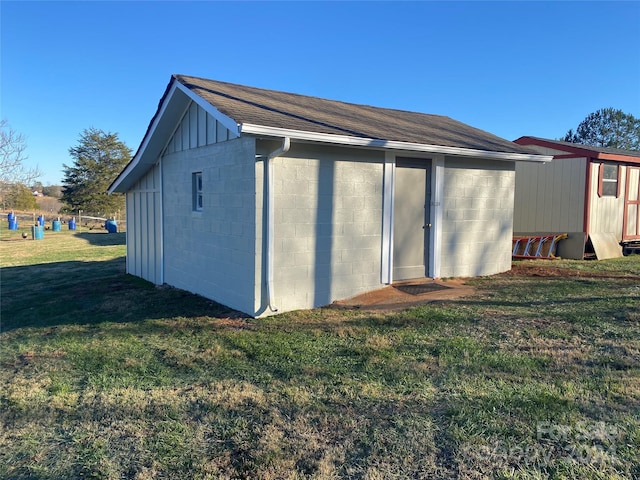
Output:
x=328 y=222
x=477 y=218
x=212 y=252
x=328 y=225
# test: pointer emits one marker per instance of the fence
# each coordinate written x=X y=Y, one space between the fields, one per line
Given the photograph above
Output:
x=23 y=221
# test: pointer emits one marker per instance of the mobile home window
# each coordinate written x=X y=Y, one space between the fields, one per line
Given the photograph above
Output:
x=197 y=191
x=608 y=185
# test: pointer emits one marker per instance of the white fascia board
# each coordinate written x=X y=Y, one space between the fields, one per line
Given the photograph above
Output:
x=125 y=173
x=145 y=142
x=229 y=123
x=389 y=144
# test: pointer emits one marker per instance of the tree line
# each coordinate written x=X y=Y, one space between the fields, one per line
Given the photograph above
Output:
x=99 y=157
x=609 y=128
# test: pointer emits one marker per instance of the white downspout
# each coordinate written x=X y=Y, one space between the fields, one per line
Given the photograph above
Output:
x=286 y=144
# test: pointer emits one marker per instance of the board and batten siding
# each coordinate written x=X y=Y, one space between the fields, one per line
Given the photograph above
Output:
x=328 y=224
x=144 y=227
x=209 y=252
x=196 y=129
x=477 y=221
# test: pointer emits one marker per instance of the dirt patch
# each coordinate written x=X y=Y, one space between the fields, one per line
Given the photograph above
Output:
x=407 y=294
x=529 y=270
x=402 y=295
x=543 y=271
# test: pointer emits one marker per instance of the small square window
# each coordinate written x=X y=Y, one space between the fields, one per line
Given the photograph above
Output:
x=608 y=185
x=197 y=191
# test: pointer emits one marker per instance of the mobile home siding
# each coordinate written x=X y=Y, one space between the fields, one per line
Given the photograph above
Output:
x=144 y=228
x=550 y=198
x=328 y=228
x=605 y=213
x=477 y=218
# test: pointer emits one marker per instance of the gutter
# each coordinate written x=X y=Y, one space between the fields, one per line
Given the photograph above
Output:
x=286 y=144
x=379 y=144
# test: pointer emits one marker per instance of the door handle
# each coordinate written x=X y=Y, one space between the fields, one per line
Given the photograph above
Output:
x=428 y=225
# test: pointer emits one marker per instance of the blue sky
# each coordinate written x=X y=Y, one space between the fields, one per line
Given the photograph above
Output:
x=510 y=68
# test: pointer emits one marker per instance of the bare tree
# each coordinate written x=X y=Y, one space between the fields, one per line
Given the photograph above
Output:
x=12 y=157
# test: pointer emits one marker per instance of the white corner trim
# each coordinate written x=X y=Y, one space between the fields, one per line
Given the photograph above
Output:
x=389 y=144
x=389 y=168
x=161 y=173
x=228 y=122
x=436 y=215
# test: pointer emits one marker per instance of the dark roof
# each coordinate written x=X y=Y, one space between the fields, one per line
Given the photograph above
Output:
x=256 y=106
x=575 y=146
x=270 y=113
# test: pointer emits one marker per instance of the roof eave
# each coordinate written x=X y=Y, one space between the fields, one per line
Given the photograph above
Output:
x=616 y=157
x=379 y=144
x=577 y=149
x=173 y=105
x=140 y=159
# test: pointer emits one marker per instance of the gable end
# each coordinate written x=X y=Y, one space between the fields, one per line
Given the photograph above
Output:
x=197 y=128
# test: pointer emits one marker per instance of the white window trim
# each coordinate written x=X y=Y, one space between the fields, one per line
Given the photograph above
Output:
x=197 y=192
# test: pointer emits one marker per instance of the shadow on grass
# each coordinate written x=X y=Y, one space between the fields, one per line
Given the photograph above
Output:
x=103 y=239
x=67 y=293
x=596 y=300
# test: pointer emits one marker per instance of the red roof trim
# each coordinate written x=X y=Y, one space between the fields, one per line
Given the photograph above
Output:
x=569 y=155
x=577 y=150
x=619 y=158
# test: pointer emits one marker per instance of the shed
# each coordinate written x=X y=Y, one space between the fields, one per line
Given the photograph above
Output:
x=268 y=201
x=585 y=191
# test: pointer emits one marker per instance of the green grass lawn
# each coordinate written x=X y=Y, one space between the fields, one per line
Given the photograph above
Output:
x=103 y=375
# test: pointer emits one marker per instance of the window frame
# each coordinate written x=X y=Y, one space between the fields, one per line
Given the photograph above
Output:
x=602 y=180
x=197 y=192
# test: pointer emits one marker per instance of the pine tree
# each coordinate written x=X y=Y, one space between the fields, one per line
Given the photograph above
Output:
x=98 y=159
x=607 y=127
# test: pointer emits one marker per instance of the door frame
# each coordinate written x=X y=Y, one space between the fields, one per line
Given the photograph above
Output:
x=628 y=203
x=412 y=200
x=436 y=175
